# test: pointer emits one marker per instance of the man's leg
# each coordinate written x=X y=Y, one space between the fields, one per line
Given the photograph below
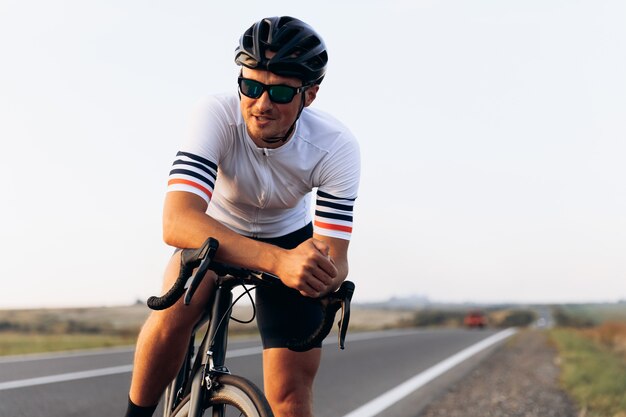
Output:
x=288 y=379
x=162 y=342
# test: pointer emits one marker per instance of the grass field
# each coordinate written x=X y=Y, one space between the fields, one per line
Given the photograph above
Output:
x=50 y=330
x=13 y=343
x=592 y=350
x=593 y=373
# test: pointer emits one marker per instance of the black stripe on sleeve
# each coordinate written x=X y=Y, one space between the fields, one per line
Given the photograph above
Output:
x=198 y=158
x=201 y=167
x=334 y=205
x=333 y=216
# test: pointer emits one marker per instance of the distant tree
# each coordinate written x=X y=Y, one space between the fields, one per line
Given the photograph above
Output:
x=438 y=318
x=519 y=318
x=565 y=319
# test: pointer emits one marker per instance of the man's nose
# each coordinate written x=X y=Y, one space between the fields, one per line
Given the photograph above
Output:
x=264 y=103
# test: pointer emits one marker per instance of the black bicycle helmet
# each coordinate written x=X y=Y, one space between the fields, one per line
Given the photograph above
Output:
x=298 y=50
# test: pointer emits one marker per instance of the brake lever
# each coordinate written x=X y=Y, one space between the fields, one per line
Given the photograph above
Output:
x=208 y=251
x=348 y=288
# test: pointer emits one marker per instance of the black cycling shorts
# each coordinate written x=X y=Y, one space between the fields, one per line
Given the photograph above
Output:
x=284 y=314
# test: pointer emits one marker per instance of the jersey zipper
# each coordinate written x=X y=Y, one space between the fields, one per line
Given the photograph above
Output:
x=267 y=186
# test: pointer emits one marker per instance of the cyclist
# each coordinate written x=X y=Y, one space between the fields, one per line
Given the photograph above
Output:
x=245 y=175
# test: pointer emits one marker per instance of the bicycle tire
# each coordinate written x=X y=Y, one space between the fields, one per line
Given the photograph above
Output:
x=239 y=396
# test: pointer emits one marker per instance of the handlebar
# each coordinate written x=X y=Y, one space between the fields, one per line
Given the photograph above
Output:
x=331 y=303
x=201 y=260
x=190 y=259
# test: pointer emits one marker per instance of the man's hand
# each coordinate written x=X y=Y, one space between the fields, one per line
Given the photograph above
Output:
x=309 y=268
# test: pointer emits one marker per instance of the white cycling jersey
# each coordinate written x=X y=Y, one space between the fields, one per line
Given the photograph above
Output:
x=265 y=193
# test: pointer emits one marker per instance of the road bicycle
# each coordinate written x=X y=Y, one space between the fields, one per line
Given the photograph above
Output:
x=204 y=386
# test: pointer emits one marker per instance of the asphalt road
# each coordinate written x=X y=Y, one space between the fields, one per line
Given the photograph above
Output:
x=388 y=374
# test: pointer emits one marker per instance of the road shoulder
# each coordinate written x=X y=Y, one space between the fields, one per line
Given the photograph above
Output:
x=518 y=378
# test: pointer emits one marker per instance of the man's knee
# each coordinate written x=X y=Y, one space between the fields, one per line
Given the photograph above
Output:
x=291 y=399
x=289 y=380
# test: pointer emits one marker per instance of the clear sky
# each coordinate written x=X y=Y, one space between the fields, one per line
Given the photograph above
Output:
x=493 y=139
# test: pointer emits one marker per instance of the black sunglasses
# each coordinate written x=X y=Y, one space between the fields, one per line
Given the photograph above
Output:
x=279 y=93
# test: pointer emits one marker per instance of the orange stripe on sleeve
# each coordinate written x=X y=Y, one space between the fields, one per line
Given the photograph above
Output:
x=191 y=183
x=333 y=226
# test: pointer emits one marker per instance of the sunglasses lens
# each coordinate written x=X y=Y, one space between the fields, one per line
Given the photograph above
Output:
x=250 y=88
x=281 y=93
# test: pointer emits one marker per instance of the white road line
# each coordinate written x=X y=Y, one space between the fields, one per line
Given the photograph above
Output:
x=21 y=383
x=72 y=376
x=389 y=398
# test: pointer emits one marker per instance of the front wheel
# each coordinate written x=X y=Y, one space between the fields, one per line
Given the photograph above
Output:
x=233 y=396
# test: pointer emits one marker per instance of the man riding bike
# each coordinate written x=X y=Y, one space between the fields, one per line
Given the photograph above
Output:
x=244 y=175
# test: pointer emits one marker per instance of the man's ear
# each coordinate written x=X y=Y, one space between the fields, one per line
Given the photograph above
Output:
x=310 y=94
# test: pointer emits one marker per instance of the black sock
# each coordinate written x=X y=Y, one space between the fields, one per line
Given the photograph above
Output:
x=135 y=410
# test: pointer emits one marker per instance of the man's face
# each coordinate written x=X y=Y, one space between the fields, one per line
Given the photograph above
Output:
x=265 y=119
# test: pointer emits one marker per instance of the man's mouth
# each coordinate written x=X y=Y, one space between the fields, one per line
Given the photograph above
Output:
x=263 y=121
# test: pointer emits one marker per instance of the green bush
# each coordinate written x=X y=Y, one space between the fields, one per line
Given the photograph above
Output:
x=519 y=318
x=425 y=318
x=565 y=318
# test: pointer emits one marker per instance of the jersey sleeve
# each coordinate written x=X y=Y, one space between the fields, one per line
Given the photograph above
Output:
x=337 y=192
x=195 y=167
x=194 y=174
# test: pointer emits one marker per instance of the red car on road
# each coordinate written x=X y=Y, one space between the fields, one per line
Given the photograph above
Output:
x=475 y=319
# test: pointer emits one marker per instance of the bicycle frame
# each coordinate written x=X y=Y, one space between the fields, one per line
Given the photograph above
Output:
x=211 y=356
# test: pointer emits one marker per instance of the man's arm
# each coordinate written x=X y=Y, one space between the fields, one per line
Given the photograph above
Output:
x=307 y=268
x=338 y=253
